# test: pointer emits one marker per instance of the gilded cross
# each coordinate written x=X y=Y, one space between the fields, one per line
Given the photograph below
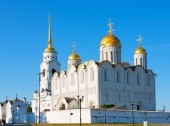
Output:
x=140 y=39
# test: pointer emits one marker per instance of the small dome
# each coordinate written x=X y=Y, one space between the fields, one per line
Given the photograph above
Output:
x=74 y=56
x=110 y=40
x=49 y=50
x=140 y=50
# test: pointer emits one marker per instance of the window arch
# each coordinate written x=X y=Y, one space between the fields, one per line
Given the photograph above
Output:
x=107 y=99
x=118 y=76
x=106 y=56
x=43 y=73
x=128 y=77
x=82 y=76
x=138 y=79
x=63 y=82
x=111 y=56
x=140 y=61
x=106 y=76
x=148 y=80
x=72 y=79
x=91 y=74
x=119 y=98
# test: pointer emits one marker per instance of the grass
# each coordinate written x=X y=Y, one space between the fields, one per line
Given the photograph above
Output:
x=98 y=124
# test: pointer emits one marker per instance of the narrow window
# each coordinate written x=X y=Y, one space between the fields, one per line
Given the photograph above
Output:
x=56 y=84
x=111 y=56
x=138 y=79
x=140 y=61
x=118 y=77
x=91 y=74
x=63 y=82
x=128 y=77
x=149 y=98
x=43 y=73
x=107 y=99
x=82 y=77
x=119 y=98
x=72 y=79
x=106 y=56
x=148 y=80
x=105 y=75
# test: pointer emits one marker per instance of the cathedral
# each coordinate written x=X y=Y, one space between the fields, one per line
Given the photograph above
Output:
x=106 y=82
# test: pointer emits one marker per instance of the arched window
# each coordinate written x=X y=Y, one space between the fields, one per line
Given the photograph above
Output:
x=150 y=97
x=56 y=85
x=118 y=77
x=107 y=99
x=106 y=76
x=82 y=76
x=43 y=73
x=136 y=61
x=72 y=79
x=63 y=82
x=106 y=56
x=111 y=56
x=116 y=56
x=128 y=77
x=119 y=98
x=138 y=79
x=140 y=61
x=148 y=80
x=91 y=74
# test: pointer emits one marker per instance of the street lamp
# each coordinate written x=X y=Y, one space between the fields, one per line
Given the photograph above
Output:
x=132 y=104
x=79 y=101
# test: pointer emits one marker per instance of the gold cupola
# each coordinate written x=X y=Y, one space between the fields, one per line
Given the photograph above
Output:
x=49 y=48
x=110 y=39
x=74 y=56
x=140 y=49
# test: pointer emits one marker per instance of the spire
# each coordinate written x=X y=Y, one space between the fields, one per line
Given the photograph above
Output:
x=49 y=32
x=110 y=27
x=140 y=39
x=49 y=48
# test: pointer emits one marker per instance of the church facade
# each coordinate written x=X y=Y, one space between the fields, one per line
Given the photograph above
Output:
x=107 y=82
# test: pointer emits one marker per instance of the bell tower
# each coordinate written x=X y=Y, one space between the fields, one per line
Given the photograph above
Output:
x=49 y=65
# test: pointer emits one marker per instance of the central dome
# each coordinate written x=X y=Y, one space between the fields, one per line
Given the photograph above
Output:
x=74 y=56
x=110 y=40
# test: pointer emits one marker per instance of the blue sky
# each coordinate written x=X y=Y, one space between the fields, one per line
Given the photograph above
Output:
x=23 y=37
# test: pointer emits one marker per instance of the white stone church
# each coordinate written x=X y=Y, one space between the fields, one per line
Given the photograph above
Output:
x=106 y=82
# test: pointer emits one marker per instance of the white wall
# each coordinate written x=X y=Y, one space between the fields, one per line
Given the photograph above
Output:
x=104 y=116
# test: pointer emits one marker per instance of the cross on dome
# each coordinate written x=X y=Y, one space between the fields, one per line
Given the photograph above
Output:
x=110 y=26
x=140 y=39
x=74 y=46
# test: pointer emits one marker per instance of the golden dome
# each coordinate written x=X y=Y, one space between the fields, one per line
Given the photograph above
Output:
x=50 y=50
x=140 y=50
x=110 y=40
x=74 y=56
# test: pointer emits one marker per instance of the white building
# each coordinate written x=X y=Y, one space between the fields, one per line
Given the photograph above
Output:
x=14 y=111
x=104 y=83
